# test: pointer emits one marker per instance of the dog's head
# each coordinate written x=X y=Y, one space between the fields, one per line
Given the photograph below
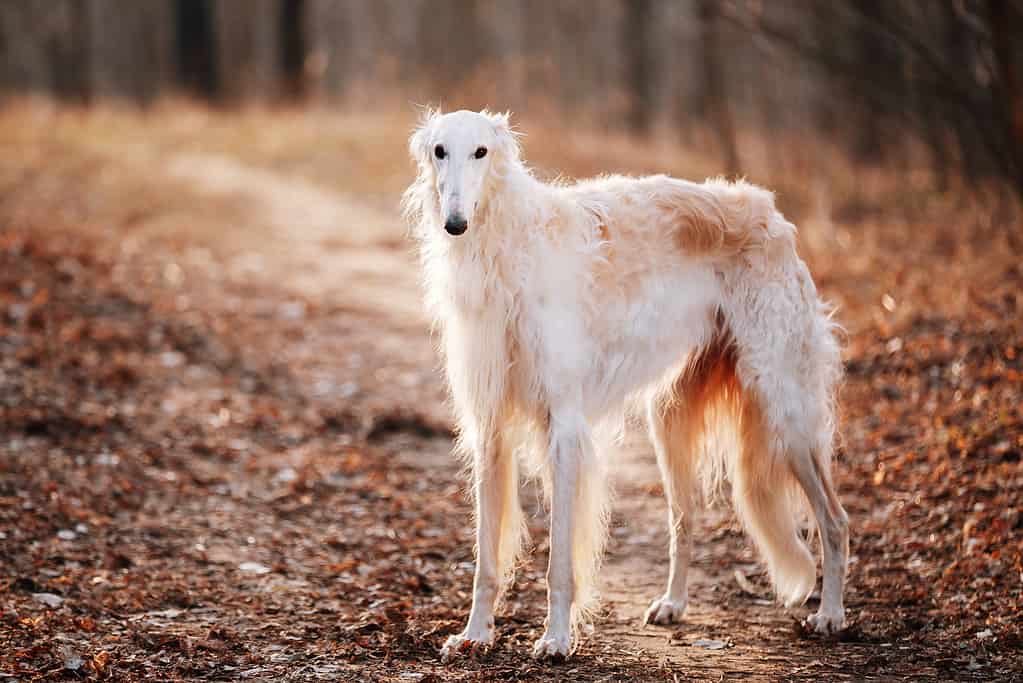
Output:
x=461 y=158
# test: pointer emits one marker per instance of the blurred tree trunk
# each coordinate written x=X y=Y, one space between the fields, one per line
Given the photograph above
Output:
x=567 y=55
x=329 y=36
x=639 y=74
x=130 y=47
x=294 y=47
x=869 y=131
x=21 y=67
x=716 y=109
x=44 y=48
x=194 y=47
x=450 y=44
x=1006 y=25
x=247 y=48
x=70 y=52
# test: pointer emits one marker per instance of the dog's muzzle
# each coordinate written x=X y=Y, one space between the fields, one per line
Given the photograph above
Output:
x=456 y=225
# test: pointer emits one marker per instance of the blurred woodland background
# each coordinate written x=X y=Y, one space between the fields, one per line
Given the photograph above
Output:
x=225 y=451
x=886 y=79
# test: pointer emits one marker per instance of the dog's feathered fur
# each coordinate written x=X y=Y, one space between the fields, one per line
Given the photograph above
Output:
x=563 y=301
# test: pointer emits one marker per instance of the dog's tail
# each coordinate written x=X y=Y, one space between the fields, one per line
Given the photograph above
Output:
x=729 y=439
x=771 y=506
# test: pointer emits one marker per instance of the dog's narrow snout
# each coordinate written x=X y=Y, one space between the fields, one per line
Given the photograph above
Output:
x=456 y=225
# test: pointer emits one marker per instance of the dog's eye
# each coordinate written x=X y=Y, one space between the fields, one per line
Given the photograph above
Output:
x=480 y=152
x=439 y=151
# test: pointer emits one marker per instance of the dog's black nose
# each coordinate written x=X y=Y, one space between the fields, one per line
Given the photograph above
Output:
x=456 y=225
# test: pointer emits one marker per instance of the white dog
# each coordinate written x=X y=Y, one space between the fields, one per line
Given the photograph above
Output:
x=559 y=302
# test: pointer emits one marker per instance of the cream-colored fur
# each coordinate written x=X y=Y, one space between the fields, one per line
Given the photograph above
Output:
x=558 y=303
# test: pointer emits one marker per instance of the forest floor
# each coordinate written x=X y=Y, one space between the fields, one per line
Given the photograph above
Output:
x=224 y=447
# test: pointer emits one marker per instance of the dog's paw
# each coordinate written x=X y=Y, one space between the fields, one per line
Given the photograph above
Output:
x=552 y=646
x=665 y=611
x=466 y=643
x=826 y=623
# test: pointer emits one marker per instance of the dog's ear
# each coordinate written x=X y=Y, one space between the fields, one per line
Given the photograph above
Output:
x=507 y=138
x=419 y=142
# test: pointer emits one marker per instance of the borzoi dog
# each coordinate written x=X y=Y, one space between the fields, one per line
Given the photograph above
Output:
x=558 y=303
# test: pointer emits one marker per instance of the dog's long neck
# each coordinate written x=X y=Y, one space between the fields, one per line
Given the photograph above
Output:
x=515 y=205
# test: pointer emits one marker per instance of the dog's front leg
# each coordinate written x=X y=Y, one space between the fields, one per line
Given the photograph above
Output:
x=566 y=456
x=491 y=471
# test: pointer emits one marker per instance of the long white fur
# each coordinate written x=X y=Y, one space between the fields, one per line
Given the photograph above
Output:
x=561 y=302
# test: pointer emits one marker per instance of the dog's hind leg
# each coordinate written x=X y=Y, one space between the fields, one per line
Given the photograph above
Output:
x=786 y=456
x=672 y=431
x=788 y=364
x=833 y=524
x=499 y=530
